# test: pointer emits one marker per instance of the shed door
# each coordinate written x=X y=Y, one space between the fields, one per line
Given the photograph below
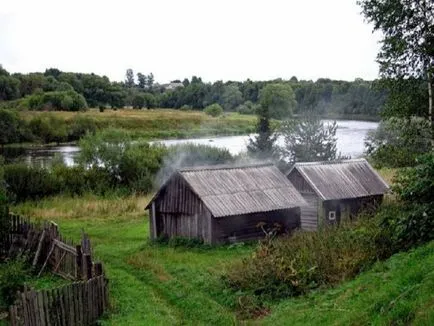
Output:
x=309 y=214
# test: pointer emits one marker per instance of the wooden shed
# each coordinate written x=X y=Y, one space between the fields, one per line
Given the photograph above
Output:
x=336 y=190
x=224 y=203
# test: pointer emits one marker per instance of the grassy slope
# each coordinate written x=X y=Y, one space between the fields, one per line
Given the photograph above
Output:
x=161 y=123
x=162 y=285
x=156 y=284
x=396 y=292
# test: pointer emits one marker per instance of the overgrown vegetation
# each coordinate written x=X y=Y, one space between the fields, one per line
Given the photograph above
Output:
x=398 y=141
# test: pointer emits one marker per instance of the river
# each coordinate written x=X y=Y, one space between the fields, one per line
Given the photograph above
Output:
x=350 y=142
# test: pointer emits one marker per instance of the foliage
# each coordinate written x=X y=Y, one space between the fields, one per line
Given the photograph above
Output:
x=262 y=146
x=48 y=128
x=306 y=260
x=279 y=99
x=398 y=141
x=214 y=110
x=247 y=108
x=59 y=100
x=307 y=140
x=406 y=97
x=413 y=223
x=13 y=275
x=407 y=47
x=9 y=127
x=9 y=88
x=190 y=155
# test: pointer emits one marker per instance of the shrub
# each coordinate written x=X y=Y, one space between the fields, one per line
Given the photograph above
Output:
x=25 y=182
x=57 y=100
x=294 y=265
x=80 y=126
x=13 y=274
x=49 y=128
x=247 y=108
x=214 y=110
x=398 y=141
x=413 y=222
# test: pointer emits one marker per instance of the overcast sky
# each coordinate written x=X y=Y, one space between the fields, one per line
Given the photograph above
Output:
x=214 y=39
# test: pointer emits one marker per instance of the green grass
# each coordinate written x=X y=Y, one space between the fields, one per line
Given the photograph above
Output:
x=160 y=123
x=152 y=284
x=399 y=291
x=160 y=285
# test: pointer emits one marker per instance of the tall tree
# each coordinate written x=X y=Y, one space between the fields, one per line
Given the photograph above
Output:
x=142 y=80
x=262 y=146
x=408 y=39
x=129 y=78
x=279 y=99
x=308 y=140
x=150 y=81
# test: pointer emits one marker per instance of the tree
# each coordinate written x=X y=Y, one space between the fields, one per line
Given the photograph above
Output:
x=408 y=43
x=129 y=78
x=398 y=141
x=150 y=81
x=262 y=146
x=308 y=140
x=9 y=88
x=214 y=110
x=142 y=80
x=9 y=127
x=231 y=97
x=279 y=99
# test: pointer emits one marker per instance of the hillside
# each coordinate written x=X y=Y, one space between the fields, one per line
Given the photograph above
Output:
x=163 y=284
x=399 y=291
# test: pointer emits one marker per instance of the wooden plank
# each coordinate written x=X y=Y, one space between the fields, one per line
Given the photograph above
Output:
x=38 y=250
x=65 y=247
x=46 y=308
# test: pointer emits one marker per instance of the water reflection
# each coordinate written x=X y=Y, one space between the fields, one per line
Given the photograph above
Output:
x=350 y=135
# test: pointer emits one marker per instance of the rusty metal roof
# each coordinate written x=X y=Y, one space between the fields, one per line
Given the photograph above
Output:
x=342 y=179
x=236 y=190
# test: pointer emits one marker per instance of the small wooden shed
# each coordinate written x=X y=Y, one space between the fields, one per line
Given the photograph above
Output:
x=224 y=203
x=336 y=190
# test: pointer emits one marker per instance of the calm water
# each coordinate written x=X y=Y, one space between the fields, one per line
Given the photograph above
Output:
x=350 y=135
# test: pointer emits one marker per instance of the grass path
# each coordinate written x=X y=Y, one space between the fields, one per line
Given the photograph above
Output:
x=152 y=284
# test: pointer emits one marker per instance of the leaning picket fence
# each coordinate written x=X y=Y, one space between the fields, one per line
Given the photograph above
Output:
x=79 y=303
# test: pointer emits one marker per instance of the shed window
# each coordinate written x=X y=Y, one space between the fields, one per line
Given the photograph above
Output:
x=332 y=215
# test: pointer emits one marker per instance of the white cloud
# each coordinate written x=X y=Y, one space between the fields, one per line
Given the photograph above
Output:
x=176 y=39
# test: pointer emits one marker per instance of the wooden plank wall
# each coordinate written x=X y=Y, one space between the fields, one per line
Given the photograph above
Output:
x=309 y=213
x=79 y=303
x=245 y=227
x=179 y=212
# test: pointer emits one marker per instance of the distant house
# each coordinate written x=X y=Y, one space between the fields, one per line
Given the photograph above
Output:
x=172 y=86
x=336 y=191
x=223 y=203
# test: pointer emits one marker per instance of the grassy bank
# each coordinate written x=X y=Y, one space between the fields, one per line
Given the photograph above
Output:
x=398 y=291
x=160 y=284
x=158 y=123
x=156 y=284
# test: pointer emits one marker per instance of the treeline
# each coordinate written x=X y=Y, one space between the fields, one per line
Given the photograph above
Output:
x=57 y=90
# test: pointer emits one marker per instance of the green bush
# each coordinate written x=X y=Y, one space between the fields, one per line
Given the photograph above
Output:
x=57 y=100
x=186 y=107
x=398 y=141
x=247 y=108
x=413 y=223
x=48 y=128
x=13 y=275
x=24 y=182
x=306 y=260
x=80 y=126
x=214 y=110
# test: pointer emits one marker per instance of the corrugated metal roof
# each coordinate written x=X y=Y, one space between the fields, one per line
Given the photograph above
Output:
x=342 y=179
x=237 y=190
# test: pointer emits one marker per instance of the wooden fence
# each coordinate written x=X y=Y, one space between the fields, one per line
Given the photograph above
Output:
x=47 y=249
x=79 y=303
